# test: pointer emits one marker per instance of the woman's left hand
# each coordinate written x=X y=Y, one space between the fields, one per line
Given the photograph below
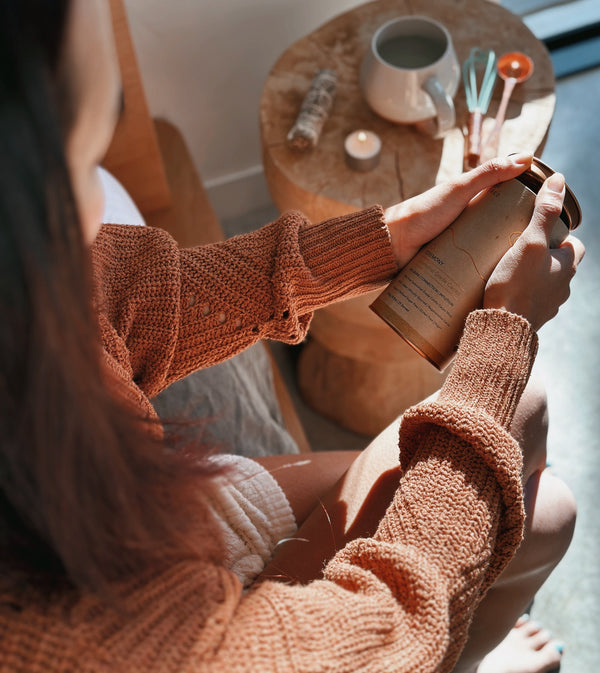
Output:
x=416 y=221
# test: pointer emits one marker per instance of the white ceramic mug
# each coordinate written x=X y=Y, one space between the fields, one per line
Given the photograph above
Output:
x=410 y=72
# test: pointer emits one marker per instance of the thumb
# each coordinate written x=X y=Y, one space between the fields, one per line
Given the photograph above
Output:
x=548 y=207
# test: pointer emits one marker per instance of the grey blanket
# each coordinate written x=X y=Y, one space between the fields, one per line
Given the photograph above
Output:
x=238 y=398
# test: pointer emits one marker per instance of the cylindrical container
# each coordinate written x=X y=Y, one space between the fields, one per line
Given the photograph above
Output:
x=429 y=301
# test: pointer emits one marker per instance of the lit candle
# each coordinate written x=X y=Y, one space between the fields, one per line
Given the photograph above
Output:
x=362 y=150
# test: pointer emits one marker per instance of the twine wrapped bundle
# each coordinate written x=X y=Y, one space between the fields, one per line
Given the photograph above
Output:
x=314 y=111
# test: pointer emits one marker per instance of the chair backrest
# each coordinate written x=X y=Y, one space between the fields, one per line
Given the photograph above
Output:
x=134 y=155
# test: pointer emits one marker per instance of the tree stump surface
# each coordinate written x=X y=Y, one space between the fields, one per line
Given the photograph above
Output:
x=348 y=340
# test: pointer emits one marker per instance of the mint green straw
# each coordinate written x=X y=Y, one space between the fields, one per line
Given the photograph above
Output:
x=478 y=100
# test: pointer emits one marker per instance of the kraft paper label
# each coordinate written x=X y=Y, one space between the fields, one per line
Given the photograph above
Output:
x=430 y=299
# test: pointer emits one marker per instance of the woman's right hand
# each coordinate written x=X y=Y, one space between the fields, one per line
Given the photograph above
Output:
x=533 y=279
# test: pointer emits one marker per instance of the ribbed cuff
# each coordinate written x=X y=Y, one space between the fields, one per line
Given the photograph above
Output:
x=493 y=364
x=351 y=252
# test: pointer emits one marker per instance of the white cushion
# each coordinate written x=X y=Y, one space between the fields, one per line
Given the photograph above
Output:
x=119 y=207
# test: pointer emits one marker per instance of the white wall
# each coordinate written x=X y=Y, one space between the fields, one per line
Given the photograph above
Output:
x=204 y=63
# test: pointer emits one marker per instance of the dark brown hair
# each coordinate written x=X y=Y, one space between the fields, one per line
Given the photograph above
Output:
x=89 y=491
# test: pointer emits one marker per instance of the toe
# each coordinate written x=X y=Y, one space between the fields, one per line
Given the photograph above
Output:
x=531 y=627
x=540 y=639
x=549 y=656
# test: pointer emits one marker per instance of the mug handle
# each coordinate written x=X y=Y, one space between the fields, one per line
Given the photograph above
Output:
x=446 y=115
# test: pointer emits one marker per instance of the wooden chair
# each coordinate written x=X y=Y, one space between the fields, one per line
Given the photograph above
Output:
x=150 y=158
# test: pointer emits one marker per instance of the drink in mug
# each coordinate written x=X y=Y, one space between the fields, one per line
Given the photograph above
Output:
x=410 y=73
x=429 y=301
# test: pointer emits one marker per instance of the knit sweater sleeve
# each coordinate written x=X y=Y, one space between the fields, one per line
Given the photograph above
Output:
x=403 y=600
x=177 y=310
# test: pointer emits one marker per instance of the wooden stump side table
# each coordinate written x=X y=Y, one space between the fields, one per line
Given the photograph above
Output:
x=355 y=369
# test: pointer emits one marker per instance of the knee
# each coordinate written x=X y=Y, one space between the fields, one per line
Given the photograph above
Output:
x=558 y=521
x=530 y=426
x=551 y=521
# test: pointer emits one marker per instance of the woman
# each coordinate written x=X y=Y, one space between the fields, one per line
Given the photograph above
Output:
x=111 y=555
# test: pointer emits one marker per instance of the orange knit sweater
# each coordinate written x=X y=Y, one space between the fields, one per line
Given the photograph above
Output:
x=401 y=601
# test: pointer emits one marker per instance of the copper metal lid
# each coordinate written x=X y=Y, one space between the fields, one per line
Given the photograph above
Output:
x=534 y=178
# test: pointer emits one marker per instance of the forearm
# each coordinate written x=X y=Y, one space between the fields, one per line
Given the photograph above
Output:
x=176 y=310
x=268 y=283
x=460 y=500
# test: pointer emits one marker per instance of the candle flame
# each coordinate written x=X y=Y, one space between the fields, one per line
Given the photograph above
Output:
x=362 y=136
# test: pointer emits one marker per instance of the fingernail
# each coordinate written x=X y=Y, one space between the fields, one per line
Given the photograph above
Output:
x=521 y=159
x=559 y=647
x=525 y=616
x=556 y=183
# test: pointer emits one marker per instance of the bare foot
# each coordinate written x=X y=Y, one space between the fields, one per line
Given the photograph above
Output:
x=528 y=648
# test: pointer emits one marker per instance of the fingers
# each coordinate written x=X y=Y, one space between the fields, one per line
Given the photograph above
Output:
x=489 y=174
x=565 y=260
x=497 y=170
x=453 y=196
x=570 y=250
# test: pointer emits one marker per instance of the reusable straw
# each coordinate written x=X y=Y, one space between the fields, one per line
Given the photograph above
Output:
x=478 y=99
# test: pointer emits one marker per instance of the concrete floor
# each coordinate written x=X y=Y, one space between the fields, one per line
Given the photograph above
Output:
x=569 y=362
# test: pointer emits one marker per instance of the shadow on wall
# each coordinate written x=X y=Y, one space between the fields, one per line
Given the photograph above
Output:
x=208 y=74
